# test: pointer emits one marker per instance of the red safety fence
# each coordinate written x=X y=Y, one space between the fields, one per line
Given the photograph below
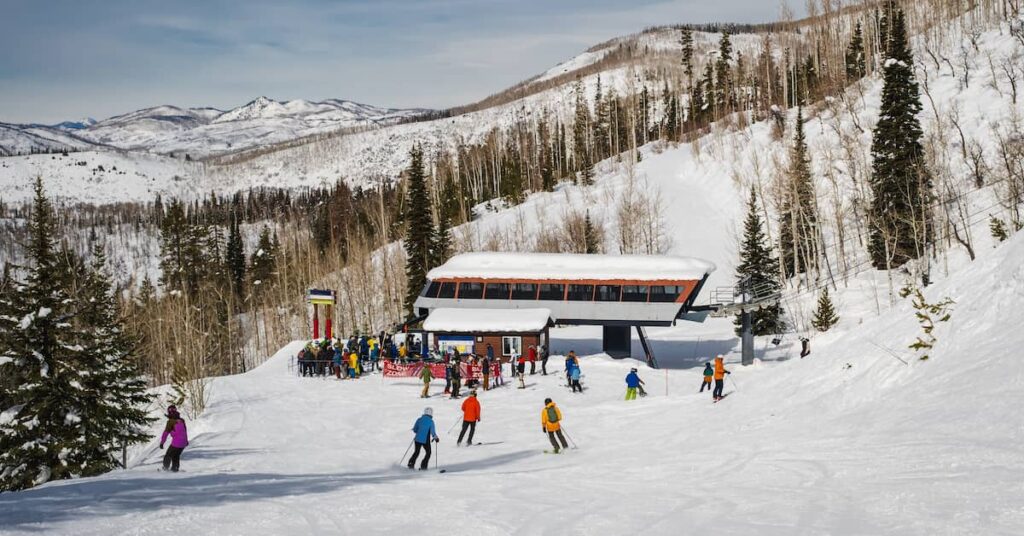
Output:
x=394 y=369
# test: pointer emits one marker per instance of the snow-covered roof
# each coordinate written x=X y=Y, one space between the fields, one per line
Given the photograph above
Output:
x=532 y=266
x=485 y=320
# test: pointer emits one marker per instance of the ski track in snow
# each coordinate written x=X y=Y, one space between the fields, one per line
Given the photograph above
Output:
x=801 y=446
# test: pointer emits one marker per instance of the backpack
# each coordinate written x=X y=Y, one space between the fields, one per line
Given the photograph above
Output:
x=552 y=414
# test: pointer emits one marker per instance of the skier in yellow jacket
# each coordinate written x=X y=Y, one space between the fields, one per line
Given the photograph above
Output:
x=551 y=422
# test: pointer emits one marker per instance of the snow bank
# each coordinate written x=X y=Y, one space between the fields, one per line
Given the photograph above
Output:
x=487 y=320
x=537 y=266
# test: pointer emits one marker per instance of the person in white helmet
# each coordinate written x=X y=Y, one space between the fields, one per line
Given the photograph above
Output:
x=425 y=433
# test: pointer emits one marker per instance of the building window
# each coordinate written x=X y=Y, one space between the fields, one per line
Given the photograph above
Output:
x=607 y=293
x=432 y=289
x=634 y=293
x=580 y=293
x=554 y=292
x=524 y=291
x=496 y=291
x=511 y=346
x=447 y=290
x=471 y=291
x=665 y=293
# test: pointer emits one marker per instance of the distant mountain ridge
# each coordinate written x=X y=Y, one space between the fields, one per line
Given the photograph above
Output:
x=199 y=132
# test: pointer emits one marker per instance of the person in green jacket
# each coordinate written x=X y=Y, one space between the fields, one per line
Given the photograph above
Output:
x=426 y=375
x=708 y=374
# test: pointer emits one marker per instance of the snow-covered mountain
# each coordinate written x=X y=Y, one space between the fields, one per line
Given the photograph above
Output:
x=201 y=132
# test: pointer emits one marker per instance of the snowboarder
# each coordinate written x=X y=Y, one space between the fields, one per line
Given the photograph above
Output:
x=485 y=369
x=708 y=374
x=720 y=373
x=544 y=360
x=633 y=382
x=470 y=416
x=574 y=379
x=456 y=376
x=532 y=357
x=805 y=347
x=551 y=423
x=425 y=433
x=426 y=375
x=179 y=439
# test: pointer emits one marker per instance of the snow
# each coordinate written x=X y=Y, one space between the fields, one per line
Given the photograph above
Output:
x=487 y=320
x=847 y=441
x=537 y=266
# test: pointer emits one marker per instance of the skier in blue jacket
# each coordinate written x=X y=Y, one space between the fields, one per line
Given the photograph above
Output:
x=633 y=382
x=425 y=432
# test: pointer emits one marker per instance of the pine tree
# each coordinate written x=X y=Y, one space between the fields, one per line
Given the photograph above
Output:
x=235 y=258
x=855 y=66
x=590 y=240
x=581 y=129
x=263 y=263
x=723 y=79
x=173 y=240
x=798 y=215
x=758 y=271
x=419 y=229
x=116 y=416
x=686 y=43
x=825 y=315
x=41 y=429
x=900 y=226
x=442 y=240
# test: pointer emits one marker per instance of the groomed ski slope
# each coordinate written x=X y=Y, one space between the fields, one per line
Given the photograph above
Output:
x=847 y=441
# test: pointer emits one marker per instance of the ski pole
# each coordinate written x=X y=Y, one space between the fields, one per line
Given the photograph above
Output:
x=406 y=452
x=453 y=427
x=734 y=386
x=437 y=455
x=566 y=432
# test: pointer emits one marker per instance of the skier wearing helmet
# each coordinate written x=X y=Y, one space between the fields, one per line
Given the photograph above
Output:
x=179 y=439
x=425 y=433
x=633 y=382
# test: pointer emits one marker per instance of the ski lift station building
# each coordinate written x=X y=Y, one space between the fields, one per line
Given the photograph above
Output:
x=617 y=292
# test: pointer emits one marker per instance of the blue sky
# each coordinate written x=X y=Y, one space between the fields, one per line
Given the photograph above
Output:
x=64 y=60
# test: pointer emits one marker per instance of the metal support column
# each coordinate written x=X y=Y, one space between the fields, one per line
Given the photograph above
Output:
x=648 y=351
x=747 y=337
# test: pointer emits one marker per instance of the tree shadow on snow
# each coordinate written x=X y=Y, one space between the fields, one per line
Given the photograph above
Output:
x=123 y=494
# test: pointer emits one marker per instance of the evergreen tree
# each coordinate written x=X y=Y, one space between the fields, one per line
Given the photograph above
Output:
x=442 y=239
x=900 y=226
x=590 y=240
x=855 y=66
x=235 y=258
x=825 y=315
x=686 y=42
x=758 y=272
x=723 y=80
x=173 y=245
x=42 y=431
x=263 y=263
x=419 y=229
x=798 y=215
x=581 y=128
x=115 y=416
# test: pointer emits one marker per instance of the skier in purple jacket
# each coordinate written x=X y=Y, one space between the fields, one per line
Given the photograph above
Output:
x=179 y=439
